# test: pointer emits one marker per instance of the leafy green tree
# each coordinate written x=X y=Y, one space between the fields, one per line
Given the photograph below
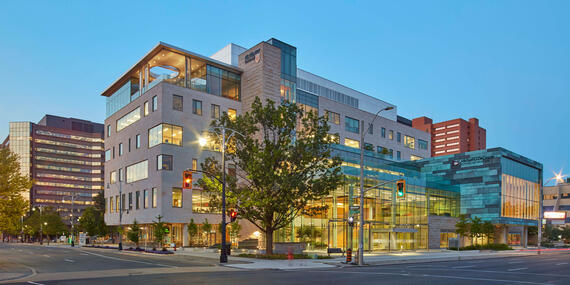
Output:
x=462 y=226
x=12 y=187
x=192 y=231
x=91 y=222
x=235 y=228
x=134 y=233
x=160 y=231
x=283 y=164
x=207 y=228
x=475 y=230
x=488 y=230
x=47 y=220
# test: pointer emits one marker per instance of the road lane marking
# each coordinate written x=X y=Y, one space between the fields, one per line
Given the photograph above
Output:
x=517 y=269
x=35 y=283
x=490 y=271
x=69 y=260
x=513 y=262
x=465 y=266
x=128 y=260
x=46 y=255
x=562 y=263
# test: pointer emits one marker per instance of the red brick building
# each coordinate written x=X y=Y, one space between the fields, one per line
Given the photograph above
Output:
x=453 y=136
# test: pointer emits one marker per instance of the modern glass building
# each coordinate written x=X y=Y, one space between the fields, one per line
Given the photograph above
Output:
x=391 y=222
x=496 y=185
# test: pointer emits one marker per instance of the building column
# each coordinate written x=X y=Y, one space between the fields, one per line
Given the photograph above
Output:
x=524 y=236
x=185 y=236
x=506 y=235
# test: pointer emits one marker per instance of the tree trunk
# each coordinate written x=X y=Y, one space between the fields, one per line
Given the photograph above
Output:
x=268 y=241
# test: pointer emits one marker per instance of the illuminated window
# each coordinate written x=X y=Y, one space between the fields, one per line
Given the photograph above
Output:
x=333 y=138
x=351 y=143
x=113 y=177
x=215 y=111
x=177 y=197
x=409 y=142
x=164 y=162
x=111 y=205
x=154 y=197
x=108 y=155
x=391 y=135
x=194 y=164
x=232 y=114
x=137 y=171
x=414 y=157
x=146 y=108
x=138 y=141
x=165 y=133
x=332 y=117
x=129 y=119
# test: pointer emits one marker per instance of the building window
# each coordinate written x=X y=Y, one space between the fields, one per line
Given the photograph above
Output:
x=398 y=137
x=194 y=164
x=382 y=150
x=138 y=141
x=145 y=199
x=137 y=200
x=108 y=155
x=398 y=155
x=121 y=175
x=154 y=103
x=422 y=144
x=223 y=83
x=352 y=125
x=164 y=162
x=177 y=102
x=129 y=119
x=146 y=108
x=113 y=177
x=409 y=142
x=176 y=197
x=215 y=112
x=137 y=171
x=197 y=107
x=123 y=201
x=370 y=129
x=333 y=138
x=154 y=197
x=332 y=117
x=165 y=133
x=383 y=132
x=391 y=153
x=120 y=149
x=129 y=144
x=117 y=204
x=111 y=205
x=108 y=130
x=113 y=152
x=351 y=143
x=232 y=114
x=130 y=201
x=390 y=135
x=368 y=146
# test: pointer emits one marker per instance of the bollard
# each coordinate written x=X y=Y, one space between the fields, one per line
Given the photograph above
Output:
x=348 y=255
x=174 y=247
x=356 y=256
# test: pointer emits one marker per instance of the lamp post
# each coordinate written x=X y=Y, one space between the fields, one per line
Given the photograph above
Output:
x=224 y=138
x=361 y=226
x=41 y=224
x=72 y=218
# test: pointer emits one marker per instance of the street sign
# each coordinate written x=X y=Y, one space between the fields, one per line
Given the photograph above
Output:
x=555 y=215
x=353 y=210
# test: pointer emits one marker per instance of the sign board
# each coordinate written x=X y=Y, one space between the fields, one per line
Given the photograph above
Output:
x=555 y=215
x=557 y=222
x=354 y=210
x=82 y=238
x=254 y=55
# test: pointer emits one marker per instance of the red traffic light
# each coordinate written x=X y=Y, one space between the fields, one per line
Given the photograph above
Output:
x=187 y=180
x=233 y=216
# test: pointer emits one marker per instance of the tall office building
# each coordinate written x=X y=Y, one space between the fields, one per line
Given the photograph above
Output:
x=160 y=107
x=64 y=157
x=453 y=136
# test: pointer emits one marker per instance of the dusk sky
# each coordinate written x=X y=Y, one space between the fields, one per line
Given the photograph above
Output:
x=504 y=62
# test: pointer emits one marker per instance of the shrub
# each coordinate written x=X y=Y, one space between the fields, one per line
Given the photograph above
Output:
x=281 y=256
x=492 y=246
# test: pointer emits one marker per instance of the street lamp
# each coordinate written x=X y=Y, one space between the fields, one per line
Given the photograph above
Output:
x=41 y=224
x=222 y=133
x=361 y=230
x=71 y=217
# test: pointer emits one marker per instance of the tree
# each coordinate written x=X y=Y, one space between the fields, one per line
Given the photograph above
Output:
x=47 y=220
x=160 y=231
x=283 y=164
x=235 y=228
x=134 y=233
x=207 y=228
x=192 y=231
x=462 y=226
x=12 y=187
x=475 y=229
x=91 y=222
x=488 y=229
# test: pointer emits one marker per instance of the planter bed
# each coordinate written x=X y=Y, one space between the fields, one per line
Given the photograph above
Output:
x=159 y=251
x=101 y=246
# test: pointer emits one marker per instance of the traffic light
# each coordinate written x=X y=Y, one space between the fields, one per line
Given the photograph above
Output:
x=350 y=221
x=187 y=180
x=401 y=188
x=233 y=216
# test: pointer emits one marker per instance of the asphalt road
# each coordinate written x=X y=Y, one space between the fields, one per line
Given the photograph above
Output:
x=81 y=266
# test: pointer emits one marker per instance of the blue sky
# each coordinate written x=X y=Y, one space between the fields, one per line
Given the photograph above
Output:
x=505 y=62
